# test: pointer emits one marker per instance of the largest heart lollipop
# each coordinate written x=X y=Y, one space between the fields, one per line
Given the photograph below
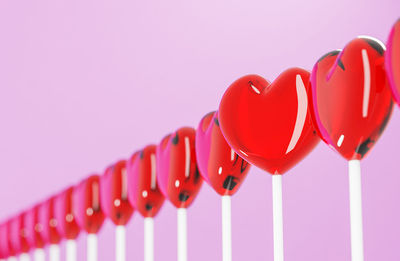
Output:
x=352 y=104
x=144 y=193
x=67 y=226
x=18 y=237
x=392 y=61
x=178 y=177
x=270 y=126
x=115 y=203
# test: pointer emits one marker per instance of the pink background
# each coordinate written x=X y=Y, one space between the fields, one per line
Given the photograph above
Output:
x=84 y=83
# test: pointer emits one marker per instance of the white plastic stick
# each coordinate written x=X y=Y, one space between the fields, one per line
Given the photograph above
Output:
x=54 y=252
x=120 y=244
x=91 y=245
x=277 y=216
x=70 y=249
x=39 y=254
x=226 y=229
x=12 y=258
x=24 y=257
x=148 y=239
x=356 y=222
x=182 y=234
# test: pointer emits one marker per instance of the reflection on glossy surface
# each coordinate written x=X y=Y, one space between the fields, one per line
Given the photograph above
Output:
x=86 y=204
x=269 y=125
x=67 y=226
x=143 y=191
x=18 y=234
x=392 y=61
x=351 y=98
x=47 y=218
x=34 y=228
x=177 y=173
x=219 y=165
x=114 y=193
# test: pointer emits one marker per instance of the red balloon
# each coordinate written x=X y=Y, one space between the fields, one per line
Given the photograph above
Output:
x=218 y=163
x=177 y=173
x=50 y=223
x=114 y=194
x=67 y=226
x=269 y=125
x=86 y=205
x=351 y=99
x=18 y=234
x=143 y=191
x=34 y=228
x=392 y=61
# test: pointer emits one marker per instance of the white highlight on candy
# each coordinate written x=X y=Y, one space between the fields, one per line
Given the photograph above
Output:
x=91 y=245
x=187 y=159
x=148 y=239
x=340 y=140
x=302 y=103
x=356 y=221
x=219 y=170
x=367 y=82
x=226 y=229
x=255 y=89
x=232 y=155
x=182 y=234
x=144 y=193
x=277 y=216
x=120 y=243
x=153 y=171
x=70 y=249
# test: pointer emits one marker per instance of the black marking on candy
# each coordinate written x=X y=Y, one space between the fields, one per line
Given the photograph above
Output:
x=375 y=45
x=236 y=159
x=149 y=207
x=333 y=53
x=243 y=166
x=341 y=65
x=175 y=139
x=118 y=215
x=216 y=121
x=386 y=119
x=230 y=183
x=364 y=147
x=141 y=155
x=196 y=175
x=184 y=196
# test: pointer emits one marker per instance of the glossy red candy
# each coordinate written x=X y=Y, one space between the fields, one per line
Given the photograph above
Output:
x=49 y=221
x=34 y=228
x=5 y=246
x=218 y=163
x=177 y=173
x=114 y=193
x=143 y=191
x=392 y=61
x=86 y=204
x=18 y=234
x=67 y=226
x=269 y=125
x=351 y=98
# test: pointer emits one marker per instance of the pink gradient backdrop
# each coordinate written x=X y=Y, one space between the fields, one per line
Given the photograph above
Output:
x=84 y=83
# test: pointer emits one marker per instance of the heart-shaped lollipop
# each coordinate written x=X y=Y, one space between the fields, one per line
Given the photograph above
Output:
x=67 y=226
x=86 y=204
x=143 y=191
x=34 y=228
x=114 y=193
x=18 y=234
x=177 y=173
x=49 y=221
x=218 y=163
x=269 y=125
x=392 y=61
x=351 y=99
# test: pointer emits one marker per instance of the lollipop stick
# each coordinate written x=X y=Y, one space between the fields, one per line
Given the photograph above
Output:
x=91 y=247
x=356 y=223
x=39 y=255
x=12 y=258
x=54 y=252
x=182 y=234
x=24 y=257
x=277 y=216
x=70 y=248
x=148 y=239
x=120 y=243
x=226 y=229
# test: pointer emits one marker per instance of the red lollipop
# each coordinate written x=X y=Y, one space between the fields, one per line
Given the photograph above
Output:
x=270 y=126
x=115 y=203
x=143 y=192
x=392 y=61
x=88 y=212
x=34 y=234
x=352 y=104
x=178 y=177
x=5 y=249
x=18 y=237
